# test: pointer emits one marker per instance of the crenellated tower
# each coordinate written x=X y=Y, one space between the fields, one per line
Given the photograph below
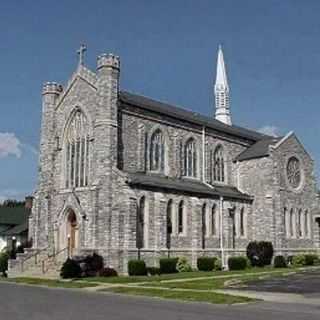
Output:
x=221 y=91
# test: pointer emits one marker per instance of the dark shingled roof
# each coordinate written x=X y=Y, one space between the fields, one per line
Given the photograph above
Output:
x=13 y=215
x=185 y=185
x=16 y=230
x=258 y=150
x=193 y=117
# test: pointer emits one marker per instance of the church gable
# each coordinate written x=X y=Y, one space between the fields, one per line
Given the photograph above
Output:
x=294 y=164
x=79 y=95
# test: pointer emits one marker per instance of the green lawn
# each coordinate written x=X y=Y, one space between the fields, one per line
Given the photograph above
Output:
x=210 y=297
x=135 y=279
x=180 y=276
x=50 y=283
x=212 y=284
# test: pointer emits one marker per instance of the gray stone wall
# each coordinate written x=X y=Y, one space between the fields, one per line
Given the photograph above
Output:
x=305 y=198
x=135 y=133
x=106 y=209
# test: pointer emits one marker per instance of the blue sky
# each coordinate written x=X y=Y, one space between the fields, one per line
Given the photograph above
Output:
x=168 y=51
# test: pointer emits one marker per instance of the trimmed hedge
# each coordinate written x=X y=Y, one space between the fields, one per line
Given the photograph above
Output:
x=168 y=265
x=237 y=263
x=4 y=257
x=70 y=269
x=153 y=271
x=218 y=265
x=260 y=253
x=137 y=268
x=299 y=260
x=311 y=259
x=280 y=262
x=206 y=263
x=108 y=272
x=183 y=265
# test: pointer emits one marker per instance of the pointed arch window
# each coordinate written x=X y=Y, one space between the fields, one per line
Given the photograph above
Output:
x=218 y=165
x=242 y=223
x=169 y=223
x=157 y=151
x=140 y=223
x=300 y=224
x=181 y=217
x=76 y=148
x=307 y=224
x=203 y=225
x=190 y=158
x=214 y=224
x=292 y=223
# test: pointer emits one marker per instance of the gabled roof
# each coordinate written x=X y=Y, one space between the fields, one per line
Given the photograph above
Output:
x=13 y=215
x=186 y=115
x=258 y=150
x=185 y=186
x=18 y=229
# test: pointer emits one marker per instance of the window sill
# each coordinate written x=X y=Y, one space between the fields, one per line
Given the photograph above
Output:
x=79 y=189
x=190 y=178
x=219 y=183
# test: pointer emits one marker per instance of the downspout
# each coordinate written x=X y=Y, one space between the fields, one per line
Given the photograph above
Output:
x=203 y=153
x=221 y=234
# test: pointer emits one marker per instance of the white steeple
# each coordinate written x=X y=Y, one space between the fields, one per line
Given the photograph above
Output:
x=221 y=91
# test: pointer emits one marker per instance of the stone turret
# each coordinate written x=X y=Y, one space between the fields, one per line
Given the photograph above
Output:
x=50 y=93
x=106 y=132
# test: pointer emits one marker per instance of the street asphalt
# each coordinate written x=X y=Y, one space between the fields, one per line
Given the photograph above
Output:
x=20 y=302
x=306 y=284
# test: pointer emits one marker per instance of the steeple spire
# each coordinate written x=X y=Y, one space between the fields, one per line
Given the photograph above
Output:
x=221 y=91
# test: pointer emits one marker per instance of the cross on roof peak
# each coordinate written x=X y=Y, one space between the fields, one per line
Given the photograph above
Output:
x=81 y=51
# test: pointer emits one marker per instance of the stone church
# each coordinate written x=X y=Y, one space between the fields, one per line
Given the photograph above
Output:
x=128 y=176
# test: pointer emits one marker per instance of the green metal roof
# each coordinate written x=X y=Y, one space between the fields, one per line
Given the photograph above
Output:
x=13 y=215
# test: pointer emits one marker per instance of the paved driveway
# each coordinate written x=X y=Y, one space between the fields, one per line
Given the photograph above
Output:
x=33 y=303
x=306 y=284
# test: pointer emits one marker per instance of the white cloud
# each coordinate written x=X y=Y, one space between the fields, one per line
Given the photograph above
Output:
x=30 y=148
x=270 y=130
x=9 y=145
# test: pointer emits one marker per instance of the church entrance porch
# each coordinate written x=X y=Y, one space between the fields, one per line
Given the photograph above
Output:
x=72 y=233
x=68 y=234
x=317 y=231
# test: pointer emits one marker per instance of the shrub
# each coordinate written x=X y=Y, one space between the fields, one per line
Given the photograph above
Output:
x=206 y=263
x=70 y=269
x=4 y=257
x=299 y=260
x=20 y=249
x=237 y=263
x=153 y=271
x=289 y=260
x=93 y=264
x=137 y=268
x=316 y=261
x=260 y=253
x=168 y=265
x=218 y=264
x=183 y=265
x=311 y=259
x=280 y=262
x=108 y=272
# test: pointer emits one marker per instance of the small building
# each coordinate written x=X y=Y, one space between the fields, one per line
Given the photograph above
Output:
x=14 y=224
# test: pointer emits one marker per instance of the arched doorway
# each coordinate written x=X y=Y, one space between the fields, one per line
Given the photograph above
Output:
x=317 y=236
x=72 y=232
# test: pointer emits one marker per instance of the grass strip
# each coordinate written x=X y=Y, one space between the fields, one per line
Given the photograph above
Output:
x=213 y=283
x=50 y=282
x=210 y=297
x=183 y=276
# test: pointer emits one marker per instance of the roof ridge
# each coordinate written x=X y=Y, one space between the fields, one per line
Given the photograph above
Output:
x=189 y=115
